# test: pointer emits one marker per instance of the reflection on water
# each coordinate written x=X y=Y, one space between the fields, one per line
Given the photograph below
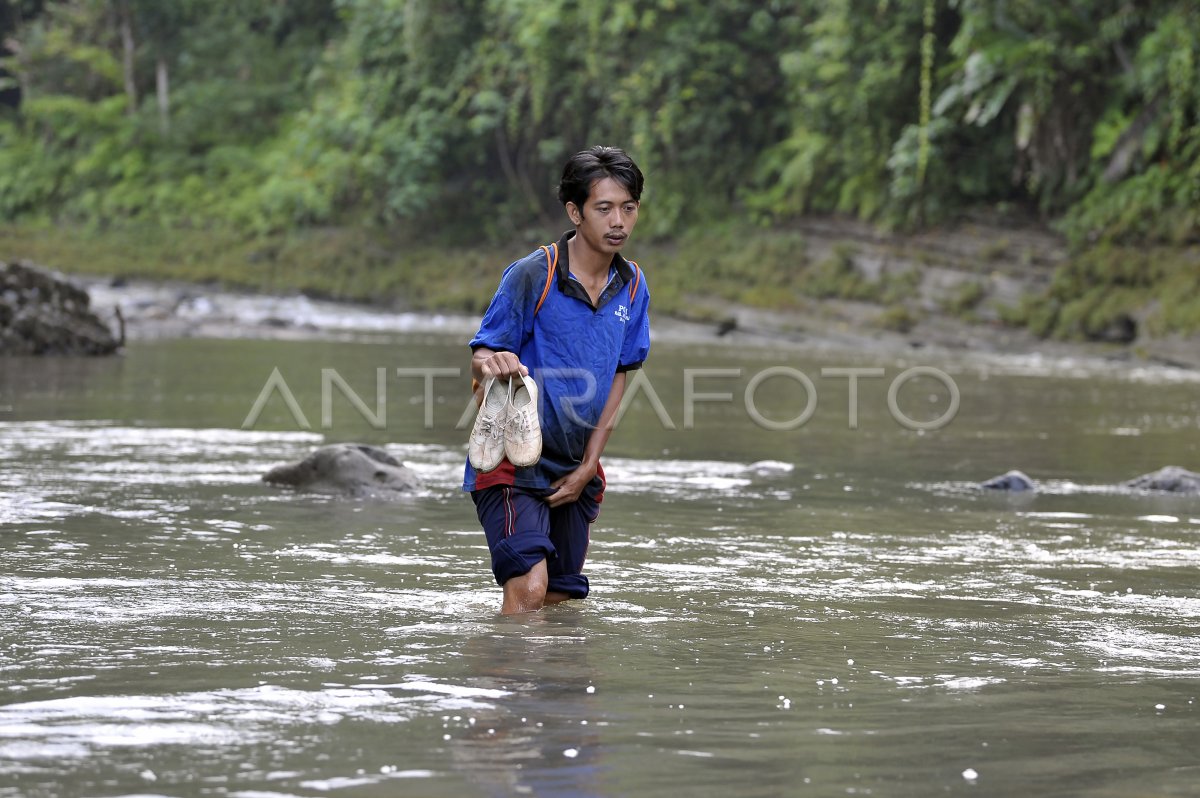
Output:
x=542 y=736
x=832 y=611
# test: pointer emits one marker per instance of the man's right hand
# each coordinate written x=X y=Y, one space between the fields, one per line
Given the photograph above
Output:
x=500 y=365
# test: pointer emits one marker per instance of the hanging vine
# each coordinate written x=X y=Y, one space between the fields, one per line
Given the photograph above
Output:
x=926 y=92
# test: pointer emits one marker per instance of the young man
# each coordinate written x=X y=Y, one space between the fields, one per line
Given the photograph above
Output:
x=577 y=329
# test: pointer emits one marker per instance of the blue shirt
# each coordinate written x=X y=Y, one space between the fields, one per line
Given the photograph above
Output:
x=572 y=349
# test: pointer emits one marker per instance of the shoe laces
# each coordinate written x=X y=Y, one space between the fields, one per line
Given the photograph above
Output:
x=523 y=422
x=492 y=426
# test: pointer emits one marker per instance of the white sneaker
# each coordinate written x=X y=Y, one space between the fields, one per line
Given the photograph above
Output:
x=523 y=429
x=485 y=449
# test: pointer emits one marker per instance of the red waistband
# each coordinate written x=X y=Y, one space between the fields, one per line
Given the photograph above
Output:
x=506 y=474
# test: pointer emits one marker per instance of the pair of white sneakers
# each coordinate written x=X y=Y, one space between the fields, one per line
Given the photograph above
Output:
x=507 y=425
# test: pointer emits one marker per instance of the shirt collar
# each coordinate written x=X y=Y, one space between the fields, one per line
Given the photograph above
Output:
x=624 y=270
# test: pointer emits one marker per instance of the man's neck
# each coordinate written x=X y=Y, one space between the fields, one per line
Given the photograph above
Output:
x=585 y=261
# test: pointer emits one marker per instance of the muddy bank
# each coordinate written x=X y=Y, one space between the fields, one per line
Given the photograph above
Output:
x=969 y=278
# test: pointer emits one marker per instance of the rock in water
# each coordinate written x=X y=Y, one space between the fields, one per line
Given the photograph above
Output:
x=41 y=313
x=1171 y=479
x=1014 y=481
x=347 y=469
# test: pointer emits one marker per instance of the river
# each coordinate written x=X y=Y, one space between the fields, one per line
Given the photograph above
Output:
x=778 y=608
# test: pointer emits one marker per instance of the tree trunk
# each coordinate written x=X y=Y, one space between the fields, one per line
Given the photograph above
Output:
x=13 y=48
x=164 y=97
x=514 y=171
x=1129 y=144
x=127 y=45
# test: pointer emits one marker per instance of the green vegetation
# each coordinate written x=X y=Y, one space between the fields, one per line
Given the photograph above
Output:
x=898 y=318
x=963 y=300
x=398 y=148
x=739 y=264
x=337 y=263
x=1100 y=293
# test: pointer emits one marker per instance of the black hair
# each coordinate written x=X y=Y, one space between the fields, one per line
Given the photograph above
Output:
x=597 y=163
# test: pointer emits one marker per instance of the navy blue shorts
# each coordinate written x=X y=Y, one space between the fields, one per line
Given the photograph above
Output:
x=522 y=530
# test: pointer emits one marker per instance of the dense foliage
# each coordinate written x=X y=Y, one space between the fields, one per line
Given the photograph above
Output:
x=455 y=115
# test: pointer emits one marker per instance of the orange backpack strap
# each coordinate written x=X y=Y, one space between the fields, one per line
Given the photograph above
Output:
x=551 y=267
x=637 y=281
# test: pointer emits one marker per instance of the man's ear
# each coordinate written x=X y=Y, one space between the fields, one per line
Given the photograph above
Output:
x=574 y=213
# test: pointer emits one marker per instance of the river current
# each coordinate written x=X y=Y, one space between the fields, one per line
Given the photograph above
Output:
x=823 y=608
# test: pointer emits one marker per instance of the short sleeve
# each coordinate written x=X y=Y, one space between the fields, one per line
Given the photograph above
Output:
x=508 y=320
x=636 y=346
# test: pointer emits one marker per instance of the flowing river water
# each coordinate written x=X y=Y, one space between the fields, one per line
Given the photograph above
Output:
x=829 y=608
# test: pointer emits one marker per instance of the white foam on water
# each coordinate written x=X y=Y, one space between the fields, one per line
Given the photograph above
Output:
x=771 y=467
x=1081 y=368
x=716 y=483
x=112 y=457
x=340 y=782
x=458 y=691
x=687 y=478
x=19 y=507
x=101 y=456
x=80 y=726
x=228 y=314
x=1147 y=670
x=685 y=568
x=1131 y=646
x=968 y=682
x=342 y=557
x=1060 y=514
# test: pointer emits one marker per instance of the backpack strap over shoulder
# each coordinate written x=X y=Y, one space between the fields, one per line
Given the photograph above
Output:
x=637 y=281
x=551 y=267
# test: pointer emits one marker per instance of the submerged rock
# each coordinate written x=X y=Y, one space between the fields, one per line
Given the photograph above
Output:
x=1171 y=479
x=1015 y=481
x=347 y=469
x=41 y=313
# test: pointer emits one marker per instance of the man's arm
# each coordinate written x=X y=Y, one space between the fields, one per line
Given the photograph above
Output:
x=570 y=487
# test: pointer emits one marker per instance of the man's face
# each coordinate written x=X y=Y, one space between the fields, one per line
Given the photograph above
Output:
x=608 y=217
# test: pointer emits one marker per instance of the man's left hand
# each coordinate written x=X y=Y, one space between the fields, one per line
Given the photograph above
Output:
x=569 y=488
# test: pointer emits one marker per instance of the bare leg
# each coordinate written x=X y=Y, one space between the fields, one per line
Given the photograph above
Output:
x=526 y=593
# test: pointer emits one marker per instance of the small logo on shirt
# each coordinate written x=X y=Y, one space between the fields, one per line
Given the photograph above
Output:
x=622 y=313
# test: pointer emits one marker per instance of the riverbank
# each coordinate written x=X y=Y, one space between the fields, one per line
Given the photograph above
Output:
x=155 y=311
x=974 y=288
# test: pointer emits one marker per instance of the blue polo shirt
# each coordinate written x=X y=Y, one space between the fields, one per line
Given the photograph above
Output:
x=572 y=348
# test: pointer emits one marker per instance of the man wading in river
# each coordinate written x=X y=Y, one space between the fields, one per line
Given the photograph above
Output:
x=573 y=317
